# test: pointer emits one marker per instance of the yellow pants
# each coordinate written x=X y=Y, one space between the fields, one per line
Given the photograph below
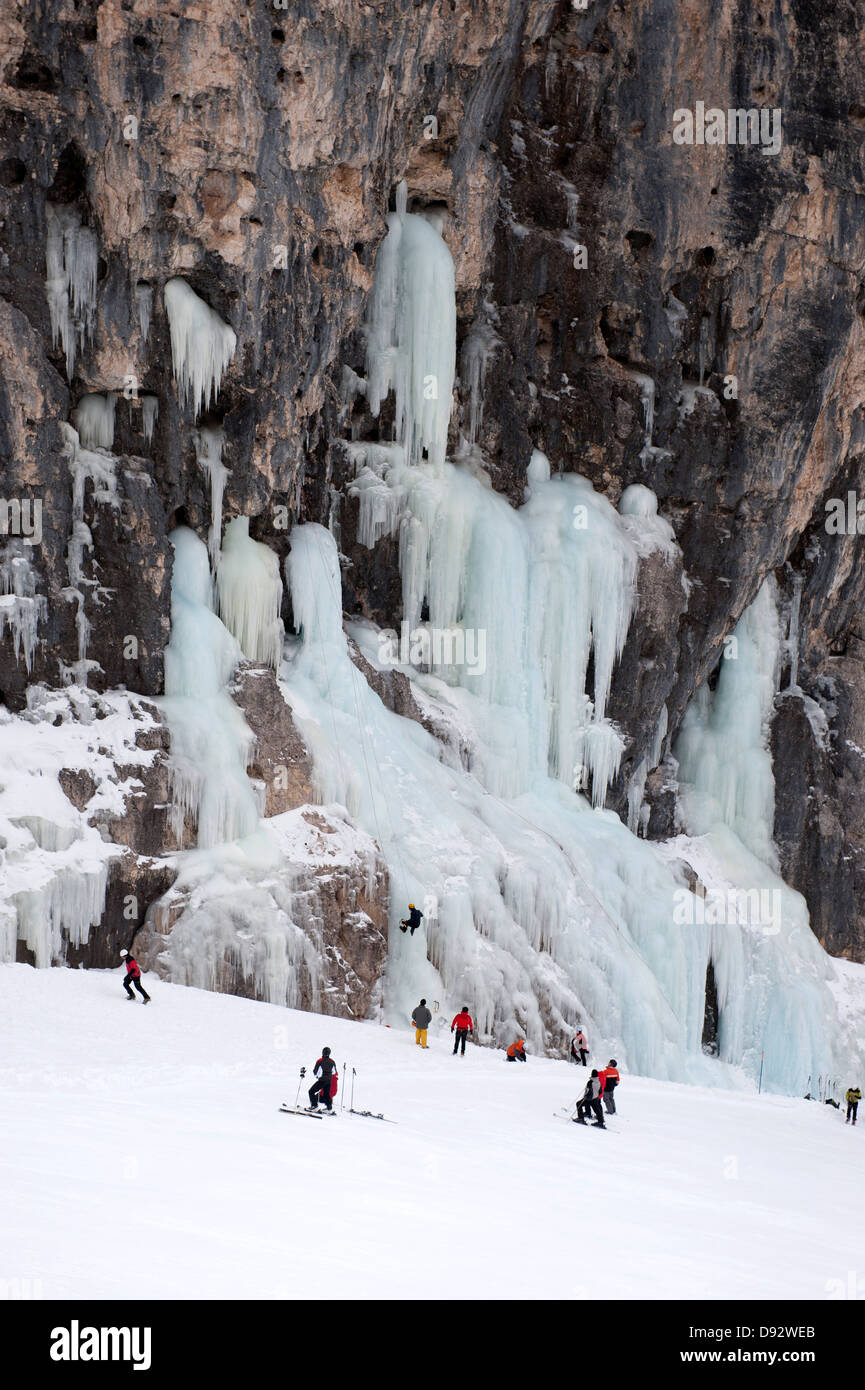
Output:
x=420 y=1036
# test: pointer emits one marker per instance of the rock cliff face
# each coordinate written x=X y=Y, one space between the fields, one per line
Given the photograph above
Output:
x=688 y=317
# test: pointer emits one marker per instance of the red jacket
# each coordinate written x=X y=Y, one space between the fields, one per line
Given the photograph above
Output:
x=518 y=1046
x=463 y=1021
x=132 y=968
x=610 y=1078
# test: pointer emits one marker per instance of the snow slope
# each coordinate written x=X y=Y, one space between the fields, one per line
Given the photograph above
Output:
x=144 y=1156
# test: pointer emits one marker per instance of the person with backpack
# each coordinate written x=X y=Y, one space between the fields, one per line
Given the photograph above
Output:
x=463 y=1025
x=590 y=1103
x=421 y=1018
x=853 y=1097
x=610 y=1077
x=517 y=1051
x=414 y=919
x=133 y=977
x=325 y=1086
x=579 y=1047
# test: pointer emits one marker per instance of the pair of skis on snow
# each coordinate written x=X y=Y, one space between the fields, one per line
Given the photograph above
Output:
x=570 y=1113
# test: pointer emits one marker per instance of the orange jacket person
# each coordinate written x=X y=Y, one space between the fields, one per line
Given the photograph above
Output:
x=610 y=1077
x=463 y=1025
x=517 y=1051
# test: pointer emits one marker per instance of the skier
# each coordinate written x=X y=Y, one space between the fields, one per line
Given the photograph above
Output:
x=421 y=1018
x=853 y=1097
x=591 y=1102
x=413 y=920
x=463 y=1025
x=517 y=1051
x=324 y=1085
x=133 y=977
x=610 y=1077
x=579 y=1047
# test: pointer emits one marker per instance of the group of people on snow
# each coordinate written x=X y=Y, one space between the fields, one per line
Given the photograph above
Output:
x=598 y=1095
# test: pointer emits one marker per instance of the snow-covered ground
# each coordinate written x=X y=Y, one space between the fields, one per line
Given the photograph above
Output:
x=144 y=1156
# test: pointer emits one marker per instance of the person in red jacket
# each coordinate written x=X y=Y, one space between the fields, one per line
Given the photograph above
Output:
x=610 y=1077
x=133 y=977
x=517 y=1051
x=463 y=1025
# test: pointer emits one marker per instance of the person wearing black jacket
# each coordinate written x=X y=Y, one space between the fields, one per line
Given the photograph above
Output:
x=321 y=1087
x=414 y=919
x=591 y=1102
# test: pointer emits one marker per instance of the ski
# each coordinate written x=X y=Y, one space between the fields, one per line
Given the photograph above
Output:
x=287 y=1110
x=370 y=1115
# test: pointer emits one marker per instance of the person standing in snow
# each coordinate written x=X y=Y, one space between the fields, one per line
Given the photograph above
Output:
x=580 y=1047
x=610 y=1077
x=591 y=1101
x=133 y=977
x=421 y=1018
x=853 y=1097
x=413 y=920
x=517 y=1051
x=463 y=1025
x=322 y=1086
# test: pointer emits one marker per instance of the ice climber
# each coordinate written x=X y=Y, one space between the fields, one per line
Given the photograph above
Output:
x=610 y=1077
x=591 y=1101
x=579 y=1047
x=414 y=919
x=324 y=1086
x=421 y=1018
x=463 y=1025
x=853 y=1097
x=133 y=977
x=517 y=1051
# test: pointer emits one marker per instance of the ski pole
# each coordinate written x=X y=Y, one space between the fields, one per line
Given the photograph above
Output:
x=353 y=1075
x=760 y=1087
x=344 y=1075
x=299 y=1084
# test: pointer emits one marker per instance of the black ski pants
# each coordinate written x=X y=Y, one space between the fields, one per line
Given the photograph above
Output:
x=321 y=1087
x=461 y=1035
x=128 y=984
x=852 y=1107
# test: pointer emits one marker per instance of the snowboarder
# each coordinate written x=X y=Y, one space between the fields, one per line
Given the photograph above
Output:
x=133 y=977
x=463 y=1025
x=421 y=1018
x=413 y=920
x=591 y=1101
x=517 y=1051
x=580 y=1047
x=610 y=1077
x=324 y=1086
x=853 y=1097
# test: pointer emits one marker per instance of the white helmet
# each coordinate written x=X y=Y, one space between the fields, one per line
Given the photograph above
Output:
x=124 y=953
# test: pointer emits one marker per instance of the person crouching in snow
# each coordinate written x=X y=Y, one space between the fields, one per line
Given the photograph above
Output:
x=610 y=1077
x=421 y=1018
x=517 y=1051
x=133 y=977
x=322 y=1087
x=463 y=1025
x=591 y=1101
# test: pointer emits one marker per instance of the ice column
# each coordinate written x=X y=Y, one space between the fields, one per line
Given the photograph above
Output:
x=249 y=591
x=72 y=258
x=202 y=346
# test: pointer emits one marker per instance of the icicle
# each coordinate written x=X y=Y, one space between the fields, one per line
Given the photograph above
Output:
x=149 y=416
x=72 y=259
x=94 y=420
x=202 y=346
x=211 y=743
x=21 y=608
x=84 y=464
x=249 y=591
x=208 y=452
x=411 y=333
x=144 y=303
x=481 y=342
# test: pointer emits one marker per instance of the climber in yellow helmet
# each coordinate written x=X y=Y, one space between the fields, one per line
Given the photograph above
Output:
x=413 y=920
